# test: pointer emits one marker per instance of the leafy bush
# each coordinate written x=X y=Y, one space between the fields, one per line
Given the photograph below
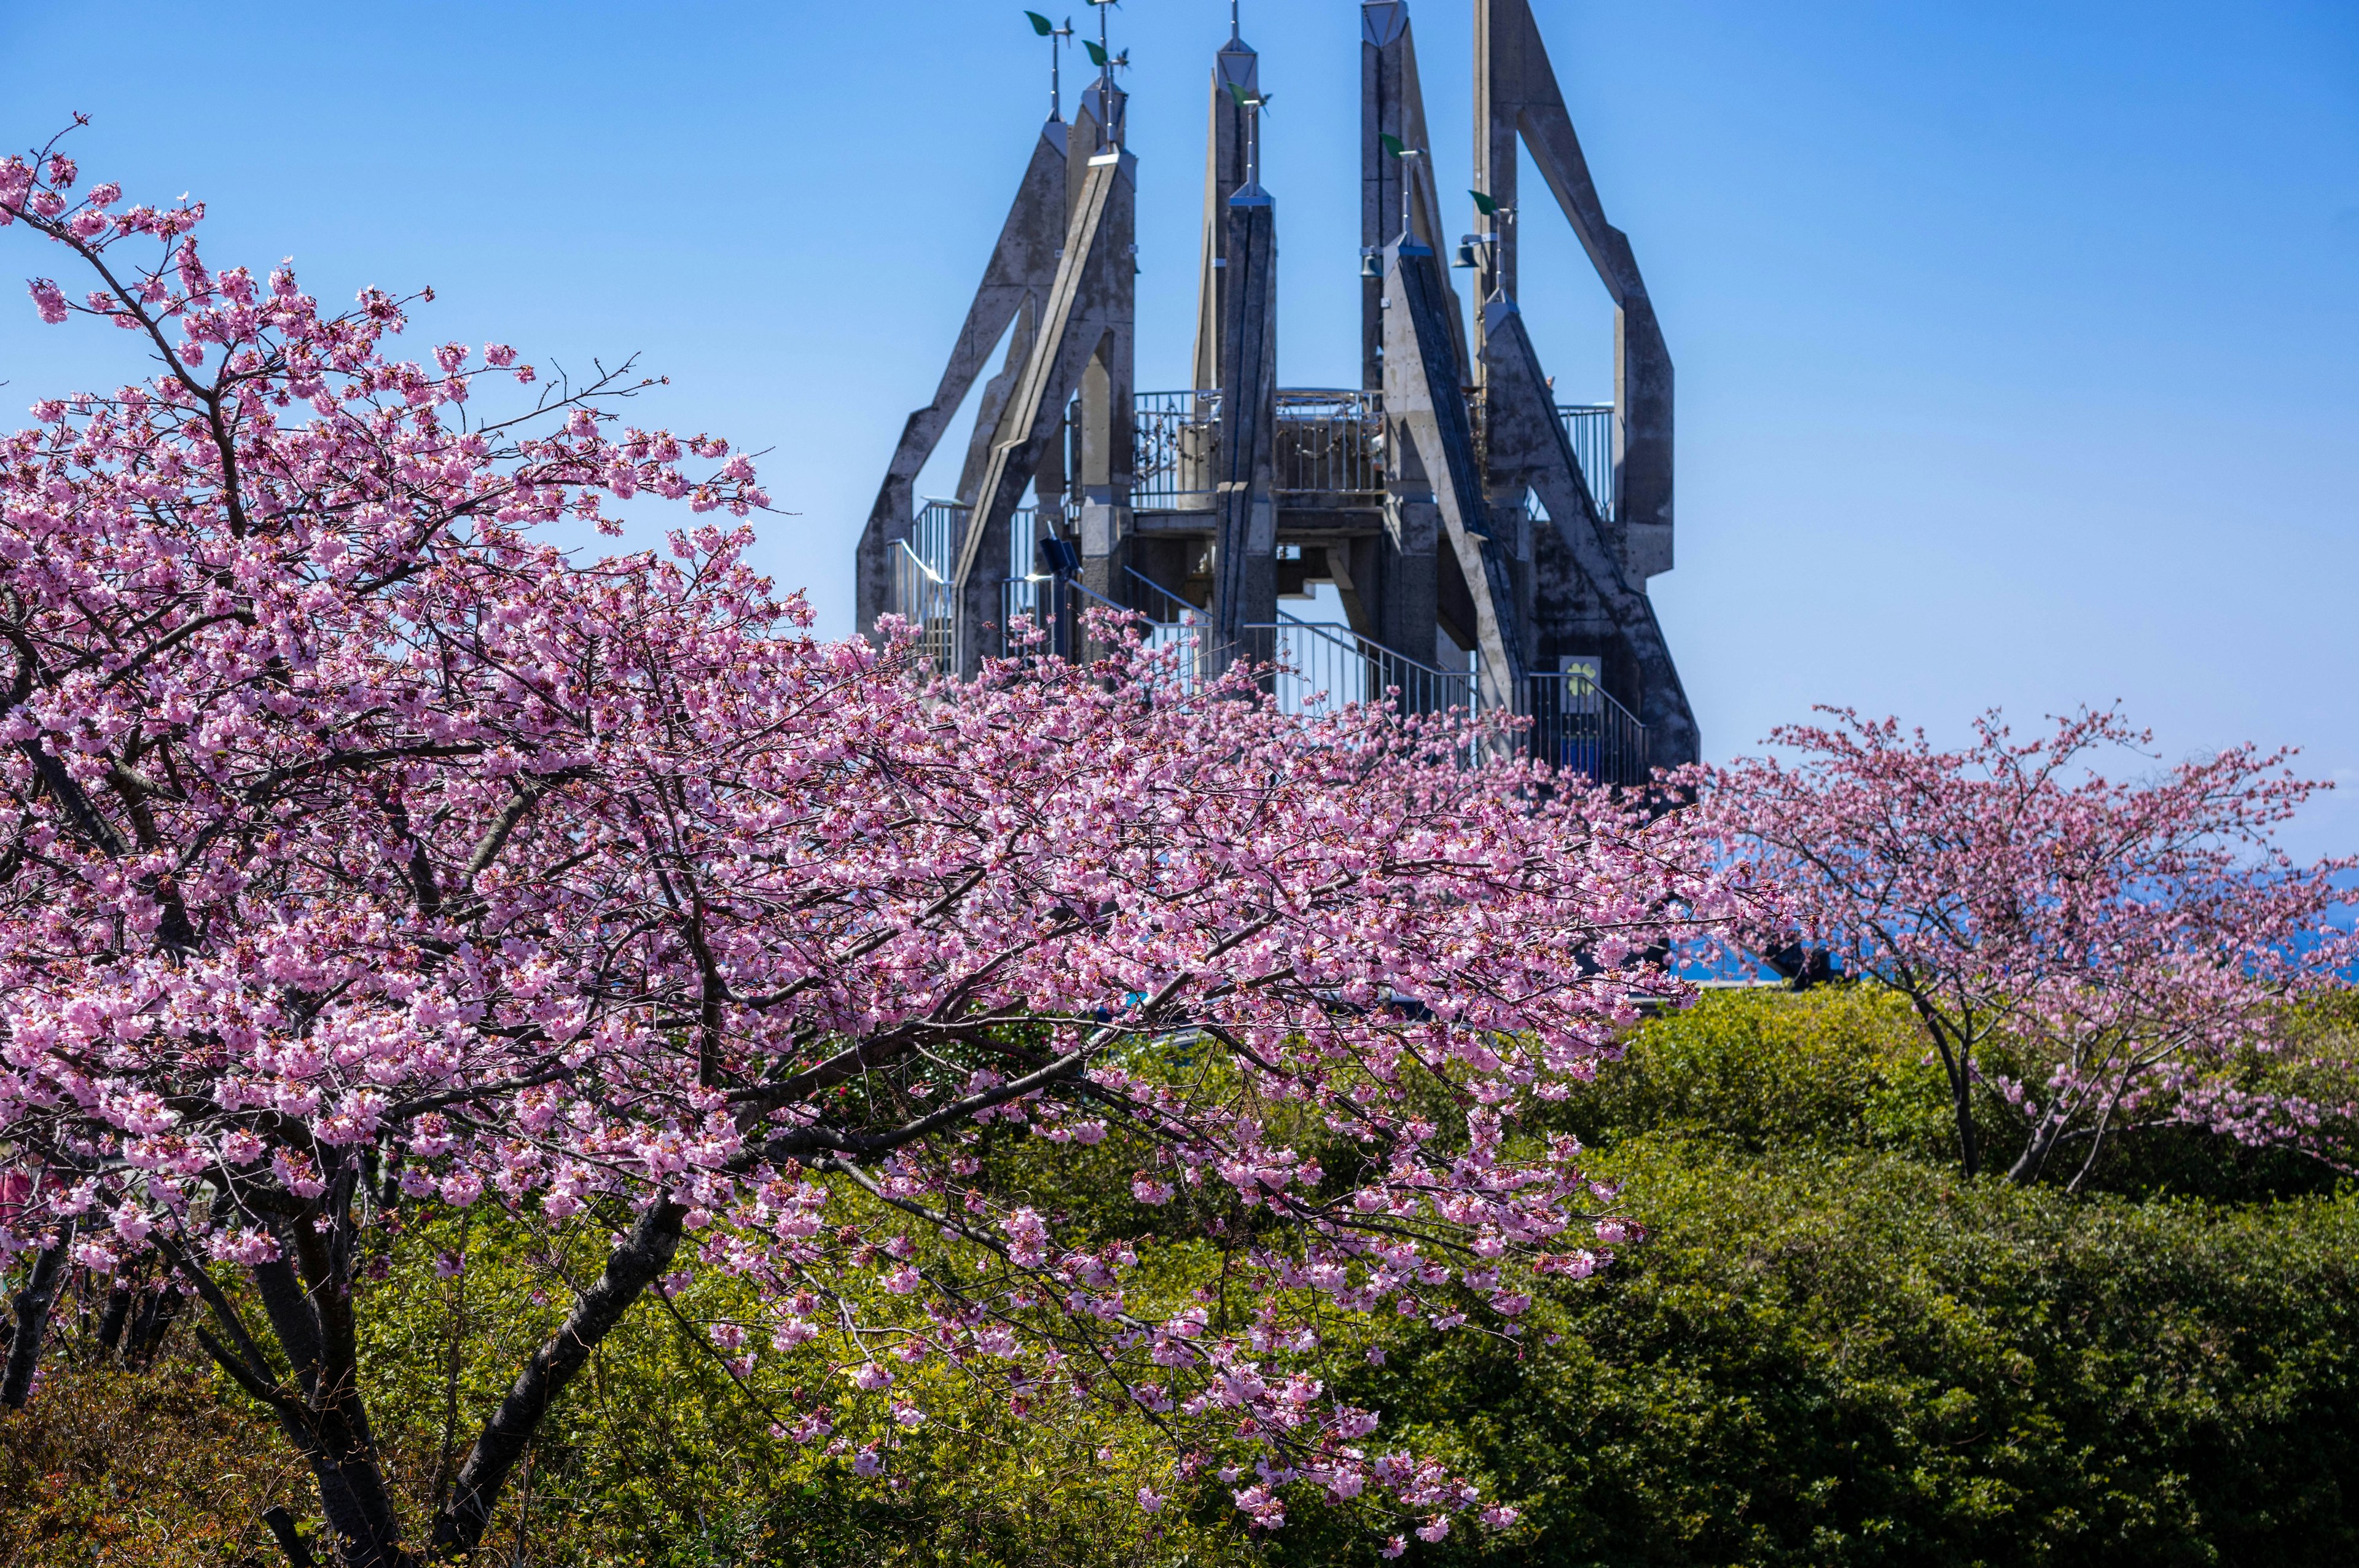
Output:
x=1829 y=1349
x=1850 y=1357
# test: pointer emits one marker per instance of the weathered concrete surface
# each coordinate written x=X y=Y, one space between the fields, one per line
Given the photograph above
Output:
x=1582 y=592
x=1091 y=287
x=1393 y=105
x=1245 y=567
x=1517 y=95
x=1023 y=266
x=1236 y=66
x=1425 y=408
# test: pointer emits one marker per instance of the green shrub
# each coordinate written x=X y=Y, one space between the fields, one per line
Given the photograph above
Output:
x=1828 y=1349
x=1849 y=1358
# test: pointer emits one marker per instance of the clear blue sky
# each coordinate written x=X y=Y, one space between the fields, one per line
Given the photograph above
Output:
x=2018 y=343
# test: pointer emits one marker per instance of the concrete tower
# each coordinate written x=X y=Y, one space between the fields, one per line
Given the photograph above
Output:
x=1489 y=548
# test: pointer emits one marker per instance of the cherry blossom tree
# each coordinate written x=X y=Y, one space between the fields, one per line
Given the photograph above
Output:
x=369 y=849
x=2128 y=944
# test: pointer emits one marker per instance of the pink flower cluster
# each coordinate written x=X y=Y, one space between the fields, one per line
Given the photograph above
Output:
x=372 y=849
x=2127 y=942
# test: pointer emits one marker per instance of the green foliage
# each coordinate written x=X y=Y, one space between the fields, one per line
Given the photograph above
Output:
x=1848 y=1358
x=168 y=1469
x=1838 y=1067
x=1827 y=1349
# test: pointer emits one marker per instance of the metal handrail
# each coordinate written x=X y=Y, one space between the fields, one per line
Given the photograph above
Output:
x=1322 y=666
x=1176 y=452
x=1328 y=442
x=923 y=598
x=1588 y=426
x=1186 y=612
x=1571 y=722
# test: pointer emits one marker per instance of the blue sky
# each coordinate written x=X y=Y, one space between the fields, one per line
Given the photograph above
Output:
x=2017 y=344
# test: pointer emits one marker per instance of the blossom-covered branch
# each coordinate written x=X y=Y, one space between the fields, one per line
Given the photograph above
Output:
x=371 y=847
x=2128 y=942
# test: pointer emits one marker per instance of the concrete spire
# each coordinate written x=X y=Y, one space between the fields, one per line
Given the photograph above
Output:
x=1236 y=69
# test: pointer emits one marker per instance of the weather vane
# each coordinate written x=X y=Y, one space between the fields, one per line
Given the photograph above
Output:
x=1253 y=104
x=1107 y=64
x=1056 y=37
x=1404 y=152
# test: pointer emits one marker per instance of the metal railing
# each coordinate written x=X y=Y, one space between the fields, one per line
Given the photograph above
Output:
x=1058 y=607
x=1176 y=459
x=1590 y=427
x=1571 y=723
x=1327 y=443
x=1330 y=443
x=1321 y=666
x=922 y=597
x=924 y=591
x=1578 y=727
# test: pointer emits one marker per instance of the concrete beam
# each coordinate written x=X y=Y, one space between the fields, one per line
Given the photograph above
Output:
x=1527 y=447
x=1023 y=266
x=1244 y=566
x=1425 y=410
x=1393 y=105
x=1091 y=287
x=1224 y=174
x=1517 y=95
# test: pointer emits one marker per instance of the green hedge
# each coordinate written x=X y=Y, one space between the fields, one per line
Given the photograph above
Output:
x=1828 y=1349
x=1849 y=1358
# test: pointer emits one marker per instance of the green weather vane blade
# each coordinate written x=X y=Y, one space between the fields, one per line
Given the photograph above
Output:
x=1040 y=25
x=1484 y=204
x=1393 y=144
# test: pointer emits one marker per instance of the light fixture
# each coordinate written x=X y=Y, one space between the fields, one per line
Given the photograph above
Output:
x=1469 y=251
x=1372 y=264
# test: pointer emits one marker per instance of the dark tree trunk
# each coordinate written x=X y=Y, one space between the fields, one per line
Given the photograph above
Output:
x=32 y=1303
x=644 y=1254
x=1969 y=1147
x=153 y=1321
x=110 y=1323
x=282 y=1528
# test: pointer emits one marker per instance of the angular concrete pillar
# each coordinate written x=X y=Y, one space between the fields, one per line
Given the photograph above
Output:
x=1517 y=96
x=1578 y=568
x=1235 y=70
x=1392 y=105
x=1084 y=323
x=1244 y=565
x=1425 y=408
x=1023 y=267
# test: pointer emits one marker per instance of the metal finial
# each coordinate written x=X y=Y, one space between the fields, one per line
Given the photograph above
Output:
x=1056 y=37
x=1056 y=85
x=1234 y=36
x=1107 y=63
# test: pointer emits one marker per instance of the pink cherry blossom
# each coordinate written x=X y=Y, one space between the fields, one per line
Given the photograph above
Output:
x=377 y=844
x=2124 y=940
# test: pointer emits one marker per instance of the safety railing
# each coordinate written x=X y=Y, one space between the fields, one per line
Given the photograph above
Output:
x=935 y=536
x=1590 y=427
x=925 y=566
x=922 y=597
x=1330 y=444
x=1321 y=666
x=1326 y=444
x=1571 y=723
x=1058 y=608
x=1568 y=721
x=1176 y=461
x=1577 y=727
